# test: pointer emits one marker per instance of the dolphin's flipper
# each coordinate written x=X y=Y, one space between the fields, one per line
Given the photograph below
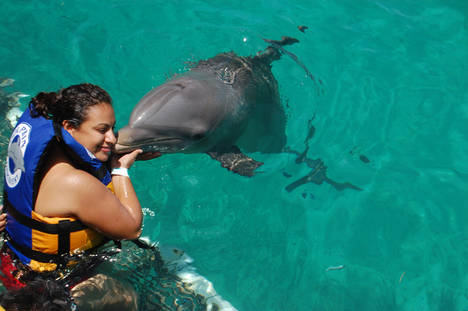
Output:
x=234 y=160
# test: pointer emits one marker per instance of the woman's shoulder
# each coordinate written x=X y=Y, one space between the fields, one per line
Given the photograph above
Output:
x=65 y=185
x=66 y=175
x=61 y=171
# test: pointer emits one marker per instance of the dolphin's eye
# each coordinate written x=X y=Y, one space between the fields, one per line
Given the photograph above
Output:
x=180 y=85
x=197 y=136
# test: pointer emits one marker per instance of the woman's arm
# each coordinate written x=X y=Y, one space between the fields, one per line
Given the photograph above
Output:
x=69 y=192
x=117 y=215
x=97 y=207
x=2 y=219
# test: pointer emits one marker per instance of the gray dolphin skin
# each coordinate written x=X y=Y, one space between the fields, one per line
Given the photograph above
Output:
x=223 y=106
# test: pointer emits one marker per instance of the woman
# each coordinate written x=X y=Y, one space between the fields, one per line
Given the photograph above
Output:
x=61 y=196
x=2 y=219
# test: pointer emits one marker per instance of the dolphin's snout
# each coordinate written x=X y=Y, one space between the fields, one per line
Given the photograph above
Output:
x=128 y=138
x=124 y=135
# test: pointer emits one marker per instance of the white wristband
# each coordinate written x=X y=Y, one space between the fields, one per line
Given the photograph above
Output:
x=121 y=171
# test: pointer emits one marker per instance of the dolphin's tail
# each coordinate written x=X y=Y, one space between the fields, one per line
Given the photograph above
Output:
x=274 y=51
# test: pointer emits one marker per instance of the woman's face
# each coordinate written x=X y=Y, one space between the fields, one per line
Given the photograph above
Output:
x=96 y=132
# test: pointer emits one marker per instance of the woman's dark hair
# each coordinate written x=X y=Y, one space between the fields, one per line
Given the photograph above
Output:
x=39 y=294
x=69 y=104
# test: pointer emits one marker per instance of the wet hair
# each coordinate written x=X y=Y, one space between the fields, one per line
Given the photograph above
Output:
x=39 y=294
x=69 y=104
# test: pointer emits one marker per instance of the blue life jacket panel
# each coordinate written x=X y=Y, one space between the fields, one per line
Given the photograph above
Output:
x=40 y=241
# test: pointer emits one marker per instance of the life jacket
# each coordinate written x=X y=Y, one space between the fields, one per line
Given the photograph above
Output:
x=38 y=241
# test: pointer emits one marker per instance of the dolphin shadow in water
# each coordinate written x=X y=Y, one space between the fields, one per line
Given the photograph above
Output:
x=222 y=106
x=9 y=103
x=318 y=174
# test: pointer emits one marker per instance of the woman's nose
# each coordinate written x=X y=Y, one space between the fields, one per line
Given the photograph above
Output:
x=110 y=137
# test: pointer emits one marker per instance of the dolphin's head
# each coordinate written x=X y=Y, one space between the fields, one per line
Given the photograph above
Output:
x=178 y=116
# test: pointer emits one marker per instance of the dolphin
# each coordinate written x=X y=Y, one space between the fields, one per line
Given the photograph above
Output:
x=224 y=106
x=4 y=82
x=10 y=102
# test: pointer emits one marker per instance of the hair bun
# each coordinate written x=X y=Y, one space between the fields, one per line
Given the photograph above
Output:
x=70 y=104
x=44 y=104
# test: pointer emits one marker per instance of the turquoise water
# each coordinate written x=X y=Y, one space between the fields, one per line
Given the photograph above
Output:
x=395 y=90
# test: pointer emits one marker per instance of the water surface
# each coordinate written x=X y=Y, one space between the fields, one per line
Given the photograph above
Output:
x=394 y=93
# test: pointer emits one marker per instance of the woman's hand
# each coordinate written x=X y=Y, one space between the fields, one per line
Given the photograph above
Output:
x=2 y=219
x=125 y=160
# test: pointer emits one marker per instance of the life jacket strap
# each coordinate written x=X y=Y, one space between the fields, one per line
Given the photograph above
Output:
x=142 y=244
x=64 y=236
x=35 y=255
x=71 y=226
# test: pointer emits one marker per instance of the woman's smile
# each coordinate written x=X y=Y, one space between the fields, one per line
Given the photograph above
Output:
x=96 y=132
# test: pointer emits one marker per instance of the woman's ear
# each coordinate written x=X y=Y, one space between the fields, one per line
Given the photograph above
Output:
x=68 y=126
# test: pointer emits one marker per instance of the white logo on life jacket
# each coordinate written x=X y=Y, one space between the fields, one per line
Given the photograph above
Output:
x=15 y=160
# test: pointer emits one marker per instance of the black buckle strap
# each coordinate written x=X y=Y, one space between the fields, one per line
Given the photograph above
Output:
x=35 y=255
x=142 y=244
x=64 y=237
x=73 y=226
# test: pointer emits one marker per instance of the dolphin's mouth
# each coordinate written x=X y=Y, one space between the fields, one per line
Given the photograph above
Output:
x=164 y=145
